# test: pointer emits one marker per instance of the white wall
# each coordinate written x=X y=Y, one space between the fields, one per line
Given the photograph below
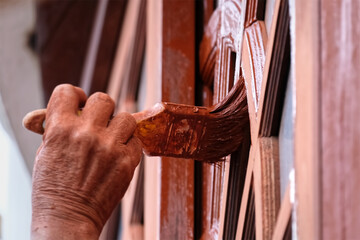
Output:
x=15 y=191
x=20 y=92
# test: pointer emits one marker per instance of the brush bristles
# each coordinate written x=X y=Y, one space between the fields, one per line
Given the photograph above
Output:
x=228 y=126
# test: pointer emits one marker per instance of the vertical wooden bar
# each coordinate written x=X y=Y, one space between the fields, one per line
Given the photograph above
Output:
x=178 y=83
x=306 y=134
x=340 y=117
x=153 y=94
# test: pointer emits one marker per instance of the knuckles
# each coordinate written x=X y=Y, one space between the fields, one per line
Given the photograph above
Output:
x=62 y=88
x=101 y=97
x=84 y=136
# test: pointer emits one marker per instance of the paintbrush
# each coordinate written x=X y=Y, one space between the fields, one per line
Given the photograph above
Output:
x=184 y=131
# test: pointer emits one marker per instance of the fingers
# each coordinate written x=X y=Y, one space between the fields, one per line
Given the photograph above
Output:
x=65 y=99
x=98 y=109
x=122 y=126
x=134 y=147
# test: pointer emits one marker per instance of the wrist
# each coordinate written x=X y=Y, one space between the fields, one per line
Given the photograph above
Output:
x=64 y=215
x=51 y=227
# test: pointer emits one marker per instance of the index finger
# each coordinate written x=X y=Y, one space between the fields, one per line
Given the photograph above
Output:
x=65 y=99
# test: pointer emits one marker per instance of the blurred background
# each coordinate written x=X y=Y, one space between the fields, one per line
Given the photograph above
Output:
x=44 y=43
x=20 y=92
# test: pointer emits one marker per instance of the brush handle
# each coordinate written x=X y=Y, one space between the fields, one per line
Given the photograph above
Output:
x=166 y=129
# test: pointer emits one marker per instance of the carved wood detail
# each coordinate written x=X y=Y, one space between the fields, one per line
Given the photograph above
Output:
x=255 y=10
x=220 y=53
x=253 y=61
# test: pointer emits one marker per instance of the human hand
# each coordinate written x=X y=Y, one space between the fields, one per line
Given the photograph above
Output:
x=83 y=166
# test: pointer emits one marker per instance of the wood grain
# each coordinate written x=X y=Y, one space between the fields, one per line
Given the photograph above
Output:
x=270 y=184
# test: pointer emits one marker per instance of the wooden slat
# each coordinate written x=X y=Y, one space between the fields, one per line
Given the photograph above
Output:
x=270 y=184
x=248 y=188
x=61 y=52
x=272 y=62
x=178 y=83
x=236 y=180
x=307 y=129
x=249 y=223
x=253 y=60
x=152 y=190
x=276 y=76
x=125 y=51
x=108 y=45
x=284 y=217
x=340 y=117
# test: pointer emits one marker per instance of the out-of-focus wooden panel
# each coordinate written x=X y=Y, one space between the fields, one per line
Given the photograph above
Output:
x=307 y=122
x=63 y=29
x=340 y=117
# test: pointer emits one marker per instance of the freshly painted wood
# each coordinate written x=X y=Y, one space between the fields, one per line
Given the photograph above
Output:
x=340 y=117
x=307 y=138
x=220 y=68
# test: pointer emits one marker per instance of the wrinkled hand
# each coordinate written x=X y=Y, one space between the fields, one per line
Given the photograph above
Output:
x=83 y=166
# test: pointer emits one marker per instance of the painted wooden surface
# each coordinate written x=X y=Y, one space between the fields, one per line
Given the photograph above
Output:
x=178 y=82
x=340 y=117
x=219 y=67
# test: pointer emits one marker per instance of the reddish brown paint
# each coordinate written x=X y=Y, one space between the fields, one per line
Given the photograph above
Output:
x=178 y=82
x=185 y=131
